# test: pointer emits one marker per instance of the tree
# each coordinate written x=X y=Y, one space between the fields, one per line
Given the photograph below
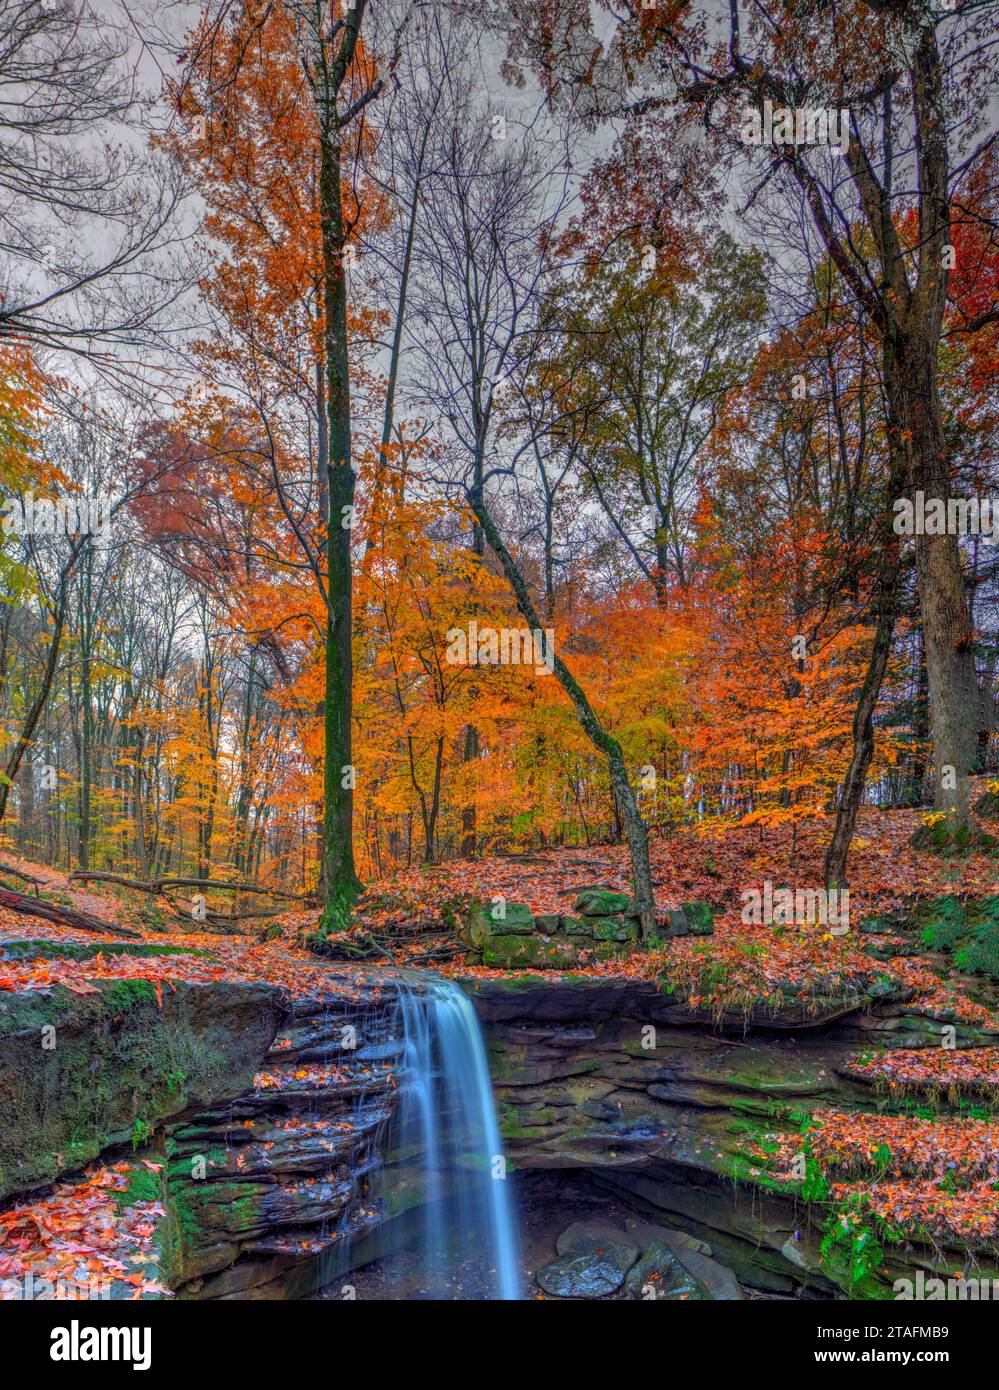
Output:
x=87 y=226
x=229 y=58
x=898 y=72
x=647 y=364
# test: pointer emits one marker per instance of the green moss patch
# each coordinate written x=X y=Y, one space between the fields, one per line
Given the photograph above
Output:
x=79 y=1073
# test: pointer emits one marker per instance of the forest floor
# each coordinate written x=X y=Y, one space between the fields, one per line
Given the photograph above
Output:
x=919 y=1167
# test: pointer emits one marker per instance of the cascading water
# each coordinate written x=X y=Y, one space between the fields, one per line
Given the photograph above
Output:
x=447 y=1130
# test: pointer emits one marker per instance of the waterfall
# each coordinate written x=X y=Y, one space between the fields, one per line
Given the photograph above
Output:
x=447 y=1130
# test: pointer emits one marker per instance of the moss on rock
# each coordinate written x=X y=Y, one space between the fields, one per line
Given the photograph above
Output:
x=601 y=902
x=79 y=1073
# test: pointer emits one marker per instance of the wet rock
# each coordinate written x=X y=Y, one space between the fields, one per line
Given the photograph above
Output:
x=659 y=1274
x=597 y=1235
x=580 y=1000
x=593 y=1259
x=645 y=1233
x=581 y=1275
x=718 y=1282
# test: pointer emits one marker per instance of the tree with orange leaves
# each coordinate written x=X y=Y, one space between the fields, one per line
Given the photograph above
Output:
x=283 y=201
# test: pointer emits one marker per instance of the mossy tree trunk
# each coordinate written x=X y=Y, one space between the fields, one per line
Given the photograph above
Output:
x=624 y=796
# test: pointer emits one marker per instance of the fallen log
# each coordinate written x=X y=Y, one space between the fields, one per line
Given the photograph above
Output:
x=157 y=885
x=24 y=878
x=64 y=916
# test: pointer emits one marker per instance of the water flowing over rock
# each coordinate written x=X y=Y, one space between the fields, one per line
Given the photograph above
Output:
x=447 y=1128
x=278 y=1142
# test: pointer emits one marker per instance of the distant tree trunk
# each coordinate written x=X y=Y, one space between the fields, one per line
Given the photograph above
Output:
x=855 y=778
x=470 y=750
x=886 y=606
x=241 y=819
x=987 y=719
x=26 y=798
x=431 y=814
x=469 y=838
x=920 y=731
x=35 y=712
x=86 y=735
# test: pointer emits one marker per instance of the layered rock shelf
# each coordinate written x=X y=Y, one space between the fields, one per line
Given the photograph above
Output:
x=241 y=1130
x=278 y=1177
x=676 y=1117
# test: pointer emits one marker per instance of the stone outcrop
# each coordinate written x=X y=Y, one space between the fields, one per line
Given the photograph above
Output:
x=668 y=1112
x=603 y=925
x=266 y=1190
x=80 y=1073
x=592 y=1260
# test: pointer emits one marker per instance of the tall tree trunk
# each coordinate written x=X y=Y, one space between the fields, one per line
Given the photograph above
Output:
x=340 y=882
x=323 y=475
x=947 y=630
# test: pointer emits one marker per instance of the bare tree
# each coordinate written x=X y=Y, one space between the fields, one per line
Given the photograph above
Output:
x=498 y=187
x=86 y=210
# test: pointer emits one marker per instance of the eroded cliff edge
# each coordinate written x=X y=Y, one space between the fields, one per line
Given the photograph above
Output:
x=246 y=1125
x=684 y=1116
